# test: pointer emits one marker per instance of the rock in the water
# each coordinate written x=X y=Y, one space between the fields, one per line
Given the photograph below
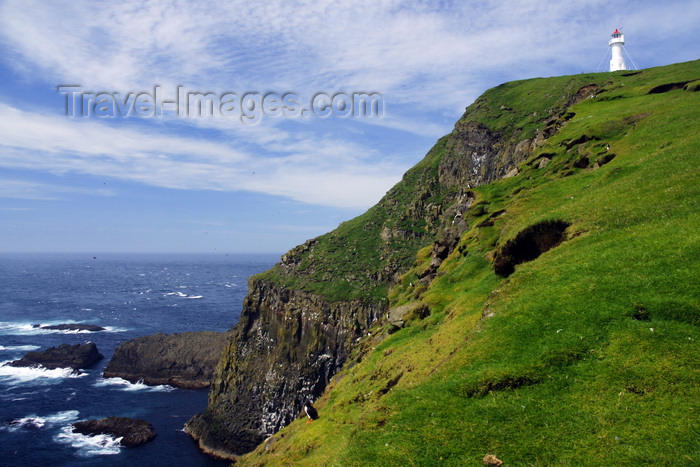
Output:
x=73 y=327
x=64 y=356
x=184 y=360
x=133 y=432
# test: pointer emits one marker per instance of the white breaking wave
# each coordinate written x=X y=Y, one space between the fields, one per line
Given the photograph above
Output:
x=19 y=348
x=41 y=375
x=36 y=422
x=177 y=294
x=181 y=295
x=86 y=445
x=33 y=329
x=124 y=385
x=96 y=445
x=114 y=329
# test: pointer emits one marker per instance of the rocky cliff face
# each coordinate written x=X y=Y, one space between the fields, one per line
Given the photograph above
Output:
x=286 y=347
x=302 y=317
x=477 y=156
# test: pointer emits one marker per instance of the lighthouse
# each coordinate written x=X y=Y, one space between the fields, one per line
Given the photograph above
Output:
x=617 y=62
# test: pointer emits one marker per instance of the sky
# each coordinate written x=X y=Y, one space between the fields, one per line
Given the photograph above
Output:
x=104 y=148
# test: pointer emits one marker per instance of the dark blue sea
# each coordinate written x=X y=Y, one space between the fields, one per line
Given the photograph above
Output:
x=130 y=296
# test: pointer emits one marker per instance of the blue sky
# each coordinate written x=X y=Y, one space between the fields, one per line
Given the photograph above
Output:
x=219 y=184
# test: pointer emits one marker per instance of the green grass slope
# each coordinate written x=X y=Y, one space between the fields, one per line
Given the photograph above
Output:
x=586 y=355
x=354 y=261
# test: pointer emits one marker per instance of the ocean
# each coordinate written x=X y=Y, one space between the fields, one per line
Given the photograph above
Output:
x=130 y=296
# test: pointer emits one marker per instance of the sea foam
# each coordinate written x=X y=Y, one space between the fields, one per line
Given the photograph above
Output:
x=86 y=445
x=37 y=422
x=33 y=329
x=35 y=374
x=124 y=385
x=89 y=445
x=181 y=295
x=18 y=348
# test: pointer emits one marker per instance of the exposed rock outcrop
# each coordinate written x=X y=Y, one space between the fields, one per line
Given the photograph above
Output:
x=444 y=244
x=469 y=158
x=285 y=349
x=71 y=327
x=184 y=360
x=64 y=356
x=477 y=154
x=133 y=432
x=397 y=316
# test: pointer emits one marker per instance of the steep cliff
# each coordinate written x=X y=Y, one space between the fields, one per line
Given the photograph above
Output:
x=425 y=251
x=286 y=347
x=302 y=317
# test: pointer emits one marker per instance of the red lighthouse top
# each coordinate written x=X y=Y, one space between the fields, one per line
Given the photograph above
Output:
x=616 y=33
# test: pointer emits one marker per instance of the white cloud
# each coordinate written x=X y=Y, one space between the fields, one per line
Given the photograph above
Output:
x=428 y=61
x=411 y=52
x=319 y=171
x=20 y=189
x=81 y=137
x=380 y=44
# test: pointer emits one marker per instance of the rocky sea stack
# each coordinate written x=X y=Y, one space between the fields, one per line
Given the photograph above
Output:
x=184 y=360
x=76 y=356
x=133 y=432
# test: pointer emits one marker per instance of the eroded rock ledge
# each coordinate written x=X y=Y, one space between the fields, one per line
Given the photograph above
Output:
x=184 y=360
x=64 y=356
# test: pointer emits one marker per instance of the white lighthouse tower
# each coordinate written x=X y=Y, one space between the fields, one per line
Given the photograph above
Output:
x=616 y=43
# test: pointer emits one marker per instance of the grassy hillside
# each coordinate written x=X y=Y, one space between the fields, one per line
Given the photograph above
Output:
x=586 y=355
x=358 y=259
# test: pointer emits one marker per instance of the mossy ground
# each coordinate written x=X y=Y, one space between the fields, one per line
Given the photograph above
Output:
x=585 y=356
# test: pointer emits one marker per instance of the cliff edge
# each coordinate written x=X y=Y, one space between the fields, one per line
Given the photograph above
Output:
x=329 y=303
